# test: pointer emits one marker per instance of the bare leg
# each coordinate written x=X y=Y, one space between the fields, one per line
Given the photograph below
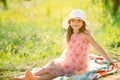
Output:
x=38 y=75
x=40 y=71
x=30 y=76
x=46 y=76
x=42 y=74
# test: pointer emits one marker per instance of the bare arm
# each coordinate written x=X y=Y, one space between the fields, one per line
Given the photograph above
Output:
x=98 y=47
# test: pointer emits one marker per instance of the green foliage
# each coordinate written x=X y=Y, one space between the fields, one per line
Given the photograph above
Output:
x=31 y=34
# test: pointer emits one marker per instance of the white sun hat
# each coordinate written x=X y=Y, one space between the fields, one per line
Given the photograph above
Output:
x=77 y=13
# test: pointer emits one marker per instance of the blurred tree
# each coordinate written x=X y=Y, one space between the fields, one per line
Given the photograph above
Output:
x=114 y=7
x=116 y=4
x=5 y=4
x=110 y=5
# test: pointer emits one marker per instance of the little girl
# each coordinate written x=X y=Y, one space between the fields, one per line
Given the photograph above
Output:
x=75 y=56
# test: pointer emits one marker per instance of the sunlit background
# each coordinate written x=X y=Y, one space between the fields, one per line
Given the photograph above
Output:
x=31 y=33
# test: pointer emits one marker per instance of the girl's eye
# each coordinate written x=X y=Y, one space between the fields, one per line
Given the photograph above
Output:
x=79 y=20
x=72 y=20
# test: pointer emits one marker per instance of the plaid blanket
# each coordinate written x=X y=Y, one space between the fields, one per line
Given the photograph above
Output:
x=98 y=68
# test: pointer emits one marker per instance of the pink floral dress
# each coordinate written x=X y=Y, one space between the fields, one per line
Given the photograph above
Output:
x=74 y=57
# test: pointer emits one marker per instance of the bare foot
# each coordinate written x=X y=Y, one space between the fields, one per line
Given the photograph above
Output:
x=30 y=76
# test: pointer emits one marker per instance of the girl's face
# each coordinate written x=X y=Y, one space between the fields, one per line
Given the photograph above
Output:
x=76 y=23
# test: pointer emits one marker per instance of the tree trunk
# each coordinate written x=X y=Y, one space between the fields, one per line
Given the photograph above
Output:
x=5 y=5
x=116 y=4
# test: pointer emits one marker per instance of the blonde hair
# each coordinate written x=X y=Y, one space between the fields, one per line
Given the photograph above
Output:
x=70 y=31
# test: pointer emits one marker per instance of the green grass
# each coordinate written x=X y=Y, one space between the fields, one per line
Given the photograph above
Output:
x=31 y=33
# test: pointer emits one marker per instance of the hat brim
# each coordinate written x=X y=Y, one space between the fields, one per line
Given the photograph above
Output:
x=65 y=23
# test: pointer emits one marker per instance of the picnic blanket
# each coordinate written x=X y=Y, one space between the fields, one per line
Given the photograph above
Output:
x=99 y=67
